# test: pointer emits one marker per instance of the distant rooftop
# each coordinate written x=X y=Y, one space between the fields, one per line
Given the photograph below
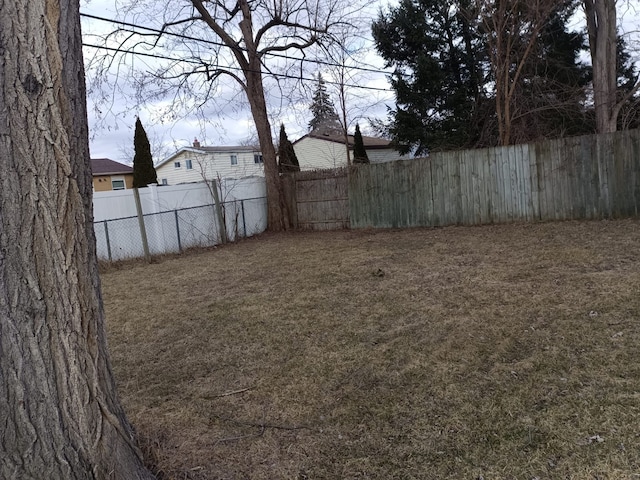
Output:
x=233 y=148
x=106 y=166
x=197 y=148
x=369 y=142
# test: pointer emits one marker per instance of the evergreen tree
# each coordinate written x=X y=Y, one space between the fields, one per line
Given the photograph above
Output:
x=144 y=172
x=359 y=153
x=438 y=57
x=288 y=161
x=551 y=93
x=445 y=86
x=629 y=116
x=325 y=119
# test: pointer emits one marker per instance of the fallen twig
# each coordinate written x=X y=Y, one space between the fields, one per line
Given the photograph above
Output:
x=234 y=392
x=226 y=394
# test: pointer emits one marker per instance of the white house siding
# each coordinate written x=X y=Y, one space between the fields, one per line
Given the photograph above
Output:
x=246 y=167
x=207 y=165
x=315 y=153
x=175 y=176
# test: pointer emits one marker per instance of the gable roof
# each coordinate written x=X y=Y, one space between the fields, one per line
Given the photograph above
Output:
x=369 y=142
x=106 y=166
x=203 y=150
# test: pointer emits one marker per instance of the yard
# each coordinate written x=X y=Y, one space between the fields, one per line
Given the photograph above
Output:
x=497 y=352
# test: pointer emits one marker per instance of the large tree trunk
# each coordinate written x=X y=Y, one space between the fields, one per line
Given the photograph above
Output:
x=601 y=25
x=512 y=39
x=59 y=412
x=277 y=218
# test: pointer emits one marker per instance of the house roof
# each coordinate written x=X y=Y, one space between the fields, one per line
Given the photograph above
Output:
x=106 y=166
x=232 y=149
x=222 y=149
x=369 y=142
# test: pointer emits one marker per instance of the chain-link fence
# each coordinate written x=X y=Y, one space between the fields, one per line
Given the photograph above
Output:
x=176 y=230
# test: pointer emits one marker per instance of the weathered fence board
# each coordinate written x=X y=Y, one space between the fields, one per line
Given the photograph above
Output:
x=318 y=200
x=573 y=178
x=581 y=177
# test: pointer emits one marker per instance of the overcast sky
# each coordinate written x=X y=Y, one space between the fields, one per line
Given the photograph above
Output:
x=228 y=119
x=112 y=115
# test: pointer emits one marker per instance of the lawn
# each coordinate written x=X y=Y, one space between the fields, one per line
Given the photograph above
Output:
x=497 y=352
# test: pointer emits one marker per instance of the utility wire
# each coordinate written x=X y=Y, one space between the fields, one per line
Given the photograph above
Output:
x=220 y=44
x=197 y=62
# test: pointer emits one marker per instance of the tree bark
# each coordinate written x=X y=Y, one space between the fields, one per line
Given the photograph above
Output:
x=508 y=53
x=277 y=217
x=59 y=411
x=601 y=26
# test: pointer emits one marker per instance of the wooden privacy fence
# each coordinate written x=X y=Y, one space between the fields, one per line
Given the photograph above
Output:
x=318 y=200
x=571 y=178
x=584 y=177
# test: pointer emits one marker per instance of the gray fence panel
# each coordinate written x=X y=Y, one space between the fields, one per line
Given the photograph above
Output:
x=572 y=178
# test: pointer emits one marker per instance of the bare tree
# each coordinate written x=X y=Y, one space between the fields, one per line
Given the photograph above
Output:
x=512 y=28
x=340 y=54
x=602 y=29
x=346 y=68
x=242 y=40
x=60 y=415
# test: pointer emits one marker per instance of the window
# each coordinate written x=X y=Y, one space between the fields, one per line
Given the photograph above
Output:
x=189 y=164
x=257 y=158
x=176 y=164
x=164 y=181
x=234 y=159
x=117 y=185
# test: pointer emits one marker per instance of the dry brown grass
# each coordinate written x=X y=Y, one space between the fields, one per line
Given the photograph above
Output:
x=499 y=352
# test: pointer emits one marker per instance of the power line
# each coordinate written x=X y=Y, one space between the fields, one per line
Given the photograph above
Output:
x=196 y=62
x=220 y=44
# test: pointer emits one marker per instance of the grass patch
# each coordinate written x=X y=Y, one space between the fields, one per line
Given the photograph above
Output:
x=497 y=352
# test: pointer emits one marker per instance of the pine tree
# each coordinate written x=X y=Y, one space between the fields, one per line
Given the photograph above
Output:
x=288 y=160
x=325 y=118
x=359 y=153
x=629 y=116
x=445 y=90
x=550 y=95
x=144 y=172
x=440 y=102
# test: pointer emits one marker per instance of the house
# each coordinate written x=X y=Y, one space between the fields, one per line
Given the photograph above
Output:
x=110 y=175
x=320 y=150
x=197 y=163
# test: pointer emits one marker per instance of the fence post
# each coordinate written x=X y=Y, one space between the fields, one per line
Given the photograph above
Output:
x=106 y=234
x=143 y=231
x=218 y=208
x=178 y=231
x=244 y=223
